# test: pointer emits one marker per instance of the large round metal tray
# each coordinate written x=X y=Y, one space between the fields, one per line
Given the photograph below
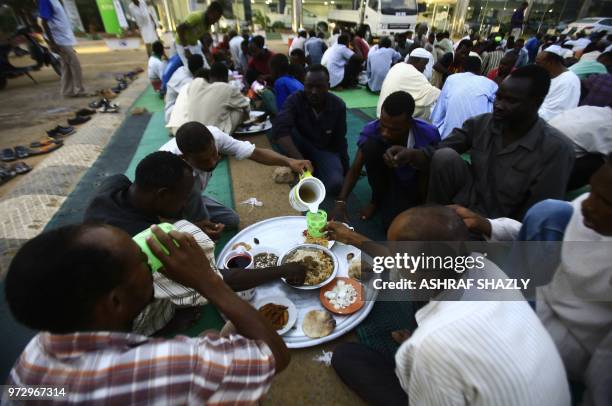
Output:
x=283 y=233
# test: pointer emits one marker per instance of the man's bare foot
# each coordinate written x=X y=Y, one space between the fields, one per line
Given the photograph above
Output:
x=368 y=211
x=399 y=336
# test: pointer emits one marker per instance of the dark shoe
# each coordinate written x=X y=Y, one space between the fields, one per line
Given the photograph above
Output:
x=96 y=104
x=86 y=112
x=8 y=155
x=6 y=173
x=21 y=168
x=116 y=89
x=22 y=152
x=60 y=131
x=78 y=120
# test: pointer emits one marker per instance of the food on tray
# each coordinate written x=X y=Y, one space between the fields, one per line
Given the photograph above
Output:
x=265 y=260
x=342 y=295
x=308 y=239
x=241 y=244
x=318 y=323
x=355 y=269
x=319 y=265
x=278 y=315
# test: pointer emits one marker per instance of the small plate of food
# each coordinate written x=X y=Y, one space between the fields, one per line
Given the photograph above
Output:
x=257 y=122
x=320 y=262
x=264 y=257
x=279 y=311
x=342 y=295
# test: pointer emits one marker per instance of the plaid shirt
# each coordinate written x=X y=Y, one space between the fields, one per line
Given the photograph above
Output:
x=123 y=368
x=599 y=90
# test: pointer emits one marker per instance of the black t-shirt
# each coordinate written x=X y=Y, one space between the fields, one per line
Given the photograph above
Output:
x=111 y=206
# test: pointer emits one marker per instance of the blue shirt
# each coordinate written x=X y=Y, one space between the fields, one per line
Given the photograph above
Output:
x=464 y=95
x=379 y=63
x=173 y=64
x=315 y=47
x=284 y=87
x=54 y=14
x=532 y=46
x=424 y=135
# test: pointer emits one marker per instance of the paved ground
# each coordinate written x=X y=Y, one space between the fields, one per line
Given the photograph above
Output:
x=28 y=202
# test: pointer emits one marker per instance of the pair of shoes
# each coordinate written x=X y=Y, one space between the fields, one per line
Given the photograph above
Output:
x=22 y=152
x=7 y=172
x=78 y=120
x=8 y=155
x=45 y=142
x=21 y=168
x=60 y=131
x=85 y=112
x=108 y=94
x=45 y=149
x=108 y=107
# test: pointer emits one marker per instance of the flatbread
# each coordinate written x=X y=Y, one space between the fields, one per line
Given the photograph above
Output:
x=318 y=323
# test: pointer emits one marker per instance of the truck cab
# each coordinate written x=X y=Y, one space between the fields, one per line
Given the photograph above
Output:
x=380 y=17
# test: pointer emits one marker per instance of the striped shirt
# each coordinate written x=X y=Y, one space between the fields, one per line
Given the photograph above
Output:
x=481 y=353
x=123 y=368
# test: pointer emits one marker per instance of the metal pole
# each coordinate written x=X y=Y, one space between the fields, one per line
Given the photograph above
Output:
x=459 y=17
x=296 y=17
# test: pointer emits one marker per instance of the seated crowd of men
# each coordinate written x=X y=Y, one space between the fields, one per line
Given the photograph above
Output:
x=487 y=159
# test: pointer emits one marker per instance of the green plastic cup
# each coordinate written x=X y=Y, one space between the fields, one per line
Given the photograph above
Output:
x=316 y=223
x=141 y=239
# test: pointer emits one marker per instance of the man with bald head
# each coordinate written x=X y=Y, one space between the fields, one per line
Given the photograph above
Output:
x=409 y=77
x=463 y=351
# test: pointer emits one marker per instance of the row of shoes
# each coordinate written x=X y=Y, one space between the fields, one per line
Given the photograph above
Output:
x=9 y=171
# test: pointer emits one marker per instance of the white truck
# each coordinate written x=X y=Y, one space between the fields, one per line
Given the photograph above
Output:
x=379 y=17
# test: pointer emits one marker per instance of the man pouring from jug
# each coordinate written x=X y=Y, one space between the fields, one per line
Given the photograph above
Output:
x=202 y=147
x=312 y=125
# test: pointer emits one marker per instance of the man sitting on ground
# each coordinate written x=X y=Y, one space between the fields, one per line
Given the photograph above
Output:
x=284 y=84
x=517 y=159
x=408 y=77
x=315 y=47
x=463 y=96
x=203 y=147
x=312 y=125
x=343 y=65
x=180 y=78
x=463 y=351
x=211 y=101
x=453 y=62
x=379 y=63
x=259 y=62
x=160 y=193
x=393 y=189
x=564 y=93
x=83 y=286
x=157 y=65
x=575 y=305
x=506 y=66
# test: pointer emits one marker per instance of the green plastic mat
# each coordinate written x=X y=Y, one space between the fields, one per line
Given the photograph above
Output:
x=358 y=98
x=150 y=100
x=369 y=111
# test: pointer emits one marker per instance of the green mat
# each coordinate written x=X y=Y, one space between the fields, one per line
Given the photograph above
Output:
x=358 y=98
x=150 y=100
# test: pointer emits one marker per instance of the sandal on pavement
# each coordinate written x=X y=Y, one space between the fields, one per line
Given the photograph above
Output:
x=21 y=168
x=44 y=143
x=6 y=173
x=85 y=112
x=22 y=152
x=46 y=149
x=8 y=155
